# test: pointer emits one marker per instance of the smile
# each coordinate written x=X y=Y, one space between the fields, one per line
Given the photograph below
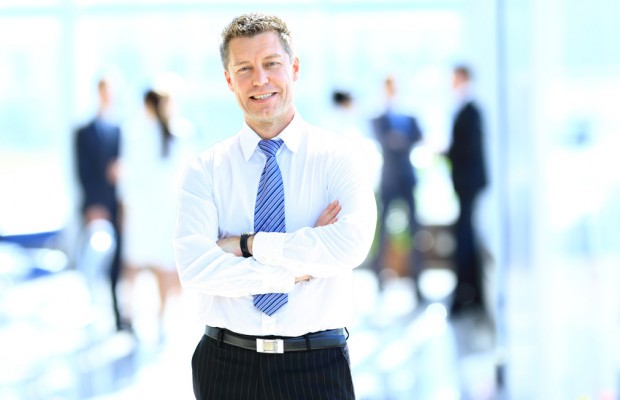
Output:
x=263 y=96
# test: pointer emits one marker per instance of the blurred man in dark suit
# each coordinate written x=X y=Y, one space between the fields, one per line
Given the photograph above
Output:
x=469 y=178
x=97 y=151
x=397 y=133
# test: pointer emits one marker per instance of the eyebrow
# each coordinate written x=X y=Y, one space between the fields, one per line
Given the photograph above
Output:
x=269 y=57
x=274 y=55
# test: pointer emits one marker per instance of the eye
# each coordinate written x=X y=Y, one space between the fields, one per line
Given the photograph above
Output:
x=241 y=70
x=272 y=64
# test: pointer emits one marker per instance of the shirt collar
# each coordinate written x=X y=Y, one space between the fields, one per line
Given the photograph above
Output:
x=291 y=136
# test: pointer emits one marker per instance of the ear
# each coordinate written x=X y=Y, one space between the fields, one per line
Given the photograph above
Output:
x=229 y=81
x=295 y=68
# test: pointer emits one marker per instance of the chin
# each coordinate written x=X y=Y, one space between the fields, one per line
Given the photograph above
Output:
x=266 y=117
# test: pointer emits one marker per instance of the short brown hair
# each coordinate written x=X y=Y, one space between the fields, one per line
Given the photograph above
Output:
x=464 y=71
x=250 y=25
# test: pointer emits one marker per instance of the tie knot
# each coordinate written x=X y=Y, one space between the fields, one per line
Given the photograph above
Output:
x=270 y=147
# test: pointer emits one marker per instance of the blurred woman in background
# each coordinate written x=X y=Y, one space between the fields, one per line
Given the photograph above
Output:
x=152 y=156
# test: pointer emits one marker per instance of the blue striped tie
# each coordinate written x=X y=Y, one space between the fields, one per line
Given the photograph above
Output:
x=269 y=215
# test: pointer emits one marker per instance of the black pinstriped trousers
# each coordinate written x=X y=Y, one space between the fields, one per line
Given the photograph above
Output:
x=222 y=372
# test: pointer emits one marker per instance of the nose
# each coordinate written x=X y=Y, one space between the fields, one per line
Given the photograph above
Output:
x=260 y=76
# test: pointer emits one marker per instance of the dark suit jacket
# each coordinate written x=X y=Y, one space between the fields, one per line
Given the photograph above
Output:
x=97 y=146
x=397 y=134
x=466 y=151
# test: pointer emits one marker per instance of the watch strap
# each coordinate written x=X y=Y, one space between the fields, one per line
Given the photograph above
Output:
x=243 y=241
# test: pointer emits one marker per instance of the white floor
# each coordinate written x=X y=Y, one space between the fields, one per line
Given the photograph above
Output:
x=560 y=341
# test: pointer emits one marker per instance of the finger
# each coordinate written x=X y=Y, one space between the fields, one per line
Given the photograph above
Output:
x=325 y=216
x=333 y=213
x=329 y=214
x=333 y=209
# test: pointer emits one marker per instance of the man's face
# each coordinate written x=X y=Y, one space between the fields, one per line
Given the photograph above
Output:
x=458 y=79
x=105 y=95
x=261 y=74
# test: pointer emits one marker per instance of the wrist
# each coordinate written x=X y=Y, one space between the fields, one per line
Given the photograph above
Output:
x=245 y=244
x=251 y=243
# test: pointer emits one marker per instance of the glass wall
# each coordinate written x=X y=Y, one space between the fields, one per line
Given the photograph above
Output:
x=33 y=114
x=560 y=86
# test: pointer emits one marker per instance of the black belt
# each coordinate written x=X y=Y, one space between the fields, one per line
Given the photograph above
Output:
x=274 y=344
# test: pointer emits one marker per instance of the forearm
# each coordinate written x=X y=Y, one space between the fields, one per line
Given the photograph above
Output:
x=204 y=266
x=325 y=251
x=319 y=252
x=233 y=246
x=322 y=251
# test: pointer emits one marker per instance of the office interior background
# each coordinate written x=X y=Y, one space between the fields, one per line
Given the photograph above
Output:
x=546 y=77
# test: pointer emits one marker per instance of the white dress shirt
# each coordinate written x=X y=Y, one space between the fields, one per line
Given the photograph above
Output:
x=216 y=200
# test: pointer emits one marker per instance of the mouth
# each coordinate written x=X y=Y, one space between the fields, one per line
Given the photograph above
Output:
x=262 y=96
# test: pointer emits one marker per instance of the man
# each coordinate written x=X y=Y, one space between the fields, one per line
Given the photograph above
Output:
x=97 y=150
x=275 y=302
x=397 y=133
x=469 y=178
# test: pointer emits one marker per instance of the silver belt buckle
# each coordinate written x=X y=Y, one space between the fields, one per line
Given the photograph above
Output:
x=273 y=346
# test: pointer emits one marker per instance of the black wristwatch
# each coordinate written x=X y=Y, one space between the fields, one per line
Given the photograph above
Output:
x=244 y=244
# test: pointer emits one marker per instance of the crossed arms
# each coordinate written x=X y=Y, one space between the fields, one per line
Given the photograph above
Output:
x=208 y=257
x=328 y=217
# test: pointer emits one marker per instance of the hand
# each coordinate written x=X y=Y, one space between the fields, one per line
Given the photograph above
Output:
x=112 y=172
x=329 y=215
x=302 y=278
x=96 y=212
x=230 y=245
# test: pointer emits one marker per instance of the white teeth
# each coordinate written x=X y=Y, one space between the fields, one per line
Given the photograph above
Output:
x=262 y=96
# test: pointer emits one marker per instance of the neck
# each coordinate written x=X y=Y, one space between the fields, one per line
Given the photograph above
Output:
x=463 y=91
x=269 y=129
x=103 y=114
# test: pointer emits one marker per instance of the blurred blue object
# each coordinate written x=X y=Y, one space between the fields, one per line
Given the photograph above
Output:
x=29 y=256
x=96 y=246
x=71 y=305
x=31 y=240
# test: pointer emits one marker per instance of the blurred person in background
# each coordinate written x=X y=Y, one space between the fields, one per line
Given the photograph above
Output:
x=152 y=158
x=346 y=119
x=342 y=99
x=97 y=151
x=397 y=133
x=271 y=223
x=469 y=178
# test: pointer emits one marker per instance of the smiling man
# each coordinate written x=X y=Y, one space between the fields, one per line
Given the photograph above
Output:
x=262 y=81
x=271 y=223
